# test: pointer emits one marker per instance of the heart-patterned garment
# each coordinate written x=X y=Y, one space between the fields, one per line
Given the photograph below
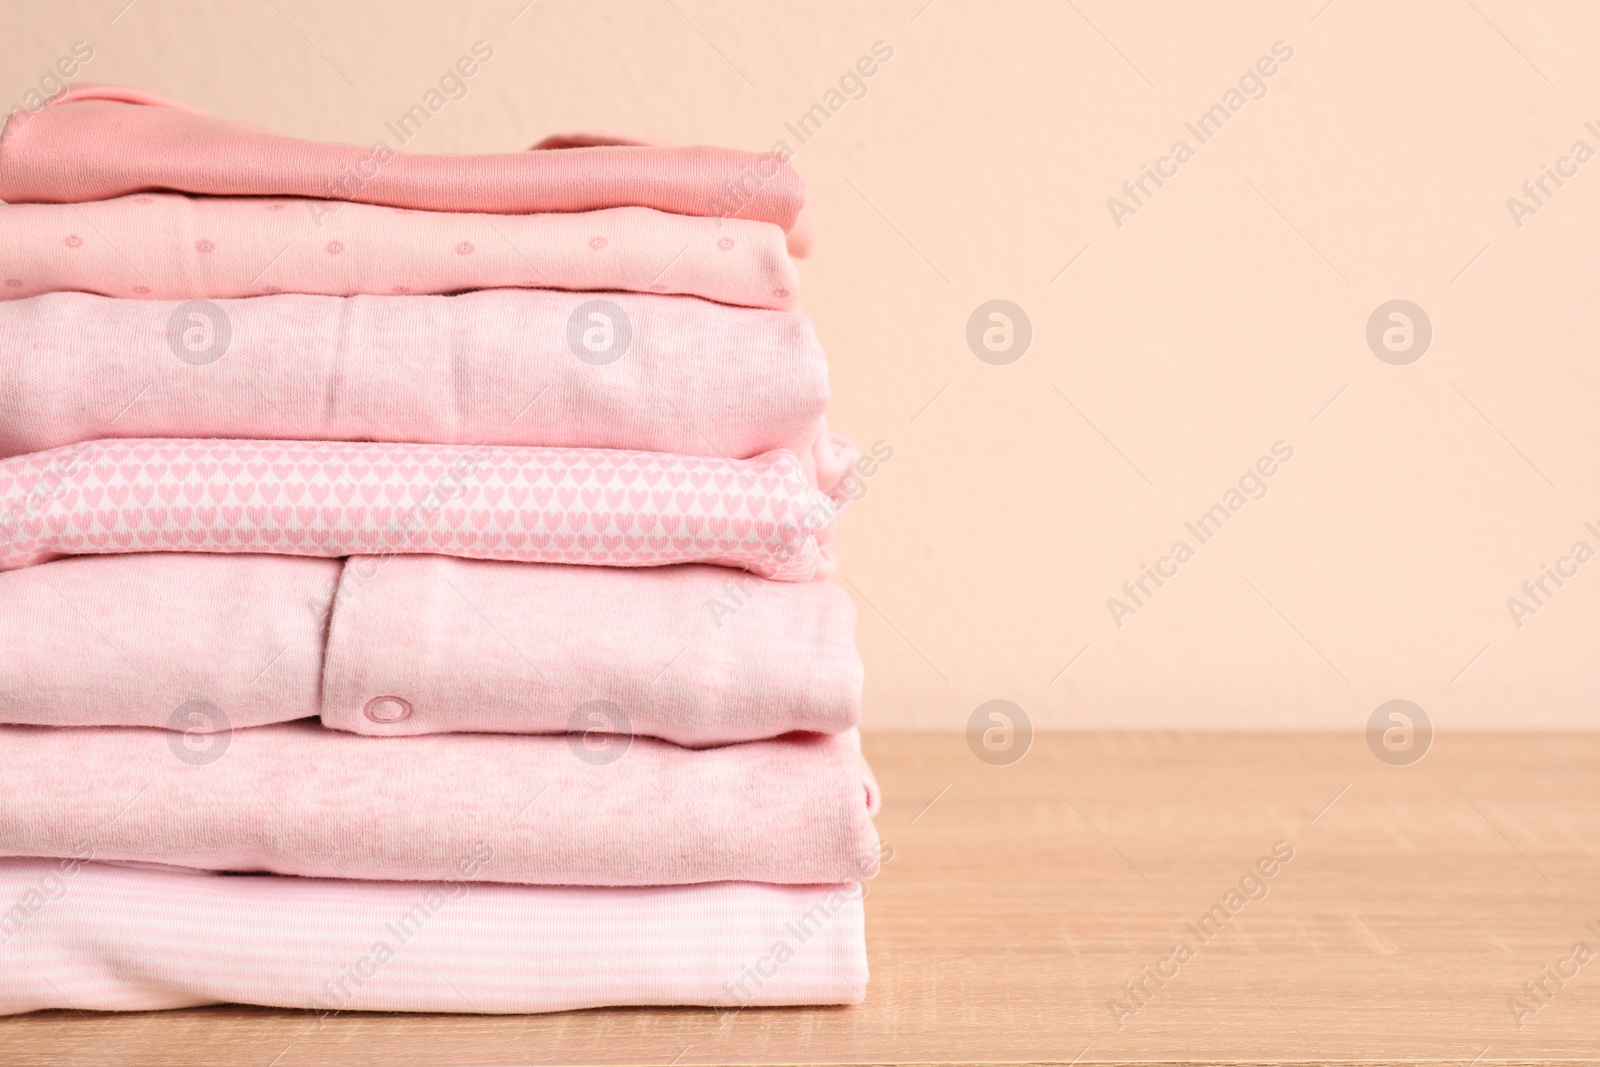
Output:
x=332 y=499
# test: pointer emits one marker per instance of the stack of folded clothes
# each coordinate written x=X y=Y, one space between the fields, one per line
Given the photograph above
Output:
x=409 y=577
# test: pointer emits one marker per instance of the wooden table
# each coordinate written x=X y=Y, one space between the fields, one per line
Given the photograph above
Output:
x=1019 y=899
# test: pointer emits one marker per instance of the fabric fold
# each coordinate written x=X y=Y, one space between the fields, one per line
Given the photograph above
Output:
x=166 y=247
x=597 y=808
x=402 y=645
x=99 y=142
x=331 y=499
x=495 y=367
x=694 y=655
x=97 y=937
x=151 y=639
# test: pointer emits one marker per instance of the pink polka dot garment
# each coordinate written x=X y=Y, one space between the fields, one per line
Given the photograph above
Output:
x=172 y=247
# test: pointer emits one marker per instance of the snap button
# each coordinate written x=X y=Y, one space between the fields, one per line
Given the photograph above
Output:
x=387 y=709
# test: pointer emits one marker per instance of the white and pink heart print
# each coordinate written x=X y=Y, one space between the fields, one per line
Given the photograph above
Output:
x=542 y=505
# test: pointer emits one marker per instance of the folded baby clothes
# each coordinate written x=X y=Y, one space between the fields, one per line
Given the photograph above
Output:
x=496 y=367
x=594 y=808
x=400 y=645
x=99 y=142
x=161 y=640
x=696 y=655
x=338 y=498
x=167 y=247
x=97 y=937
x=406 y=577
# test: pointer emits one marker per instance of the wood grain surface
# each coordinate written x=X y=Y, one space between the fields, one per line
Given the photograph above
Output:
x=1020 y=899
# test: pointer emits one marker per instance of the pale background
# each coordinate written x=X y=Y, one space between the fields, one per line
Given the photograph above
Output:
x=1222 y=317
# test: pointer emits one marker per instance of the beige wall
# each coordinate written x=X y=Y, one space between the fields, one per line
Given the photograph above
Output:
x=1222 y=317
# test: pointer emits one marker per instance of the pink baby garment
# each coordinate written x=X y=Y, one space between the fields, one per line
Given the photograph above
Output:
x=593 y=808
x=696 y=655
x=338 y=498
x=166 y=247
x=98 y=142
x=98 y=937
x=401 y=645
x=165 y=640
x=498 y=367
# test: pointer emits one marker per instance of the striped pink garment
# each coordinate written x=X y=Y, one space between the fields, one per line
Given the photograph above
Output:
x=400 y=645
x=531 y=505
x=592 y=808
x=164 y=247
x=95 y=937
x=99 y=142
x=497 y=367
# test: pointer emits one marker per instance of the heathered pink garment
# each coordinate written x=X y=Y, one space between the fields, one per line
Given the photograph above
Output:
x=424 y=644
x=591 y=506
x=498 y=367
x=166 y=247
x=301 y=799
x=696 y=655
x=98 y=937
x=99 y=142
x=135 y=640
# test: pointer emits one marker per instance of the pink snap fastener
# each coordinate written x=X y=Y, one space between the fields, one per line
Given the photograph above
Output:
x=387 y=709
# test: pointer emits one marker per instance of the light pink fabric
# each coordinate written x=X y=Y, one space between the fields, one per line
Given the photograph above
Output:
x=532 y=505
x=99 y=142
x=301 y=799
x=423 y=644
x=134 y=640
x=696 y=655
x=493 y=367
x=166 y=247
x=96 y=937
x=802 y=235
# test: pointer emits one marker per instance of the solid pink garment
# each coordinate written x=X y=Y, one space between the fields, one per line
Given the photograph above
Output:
x=802 y=235
x=339 y=498
x=167 y=247
x=98 y=142
x=424 y=644
x=581 y=809
x=696 y=655
x=100 y=937
x=498 y=367
x=161 y=640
